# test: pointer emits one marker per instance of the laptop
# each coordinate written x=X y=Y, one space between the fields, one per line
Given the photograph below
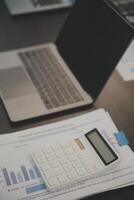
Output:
x=126 y=7
x=70 y=73
x=27 y=6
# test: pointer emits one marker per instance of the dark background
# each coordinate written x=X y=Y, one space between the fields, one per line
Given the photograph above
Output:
x=117 y=96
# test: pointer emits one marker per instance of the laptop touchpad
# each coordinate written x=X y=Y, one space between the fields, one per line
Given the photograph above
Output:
x=15 y=82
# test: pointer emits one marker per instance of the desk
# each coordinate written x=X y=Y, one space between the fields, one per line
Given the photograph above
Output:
x=117 y=96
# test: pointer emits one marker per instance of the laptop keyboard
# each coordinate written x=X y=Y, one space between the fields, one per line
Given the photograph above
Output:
x=126 y=7
x=45 y=2
x=53 y=84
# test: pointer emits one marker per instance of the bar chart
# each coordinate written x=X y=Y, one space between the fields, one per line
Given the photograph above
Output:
x=22 y=176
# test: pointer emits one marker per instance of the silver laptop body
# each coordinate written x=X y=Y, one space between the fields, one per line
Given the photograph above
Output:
x=26 y=6
x=36 y=81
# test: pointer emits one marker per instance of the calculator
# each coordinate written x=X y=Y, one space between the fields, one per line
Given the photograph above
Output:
x=75 y=159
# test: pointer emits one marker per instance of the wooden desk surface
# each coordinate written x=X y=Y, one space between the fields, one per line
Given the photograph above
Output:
x=117 y=96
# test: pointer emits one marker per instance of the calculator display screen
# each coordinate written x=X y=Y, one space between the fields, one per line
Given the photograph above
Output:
x=102 y=148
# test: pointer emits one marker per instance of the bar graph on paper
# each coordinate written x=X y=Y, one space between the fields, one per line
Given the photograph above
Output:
x=25 y=177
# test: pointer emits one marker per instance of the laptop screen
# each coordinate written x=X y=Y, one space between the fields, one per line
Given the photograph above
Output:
x=92 y=42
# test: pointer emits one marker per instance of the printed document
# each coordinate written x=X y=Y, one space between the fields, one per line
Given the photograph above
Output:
x=126 y=65
x=21 y=180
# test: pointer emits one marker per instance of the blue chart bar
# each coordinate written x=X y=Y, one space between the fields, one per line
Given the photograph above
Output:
x=37 y=171
x=36 y=188
x=13 y=177
x=20 y=178
x=25 y=174
x=6 y=176
x=31 y=172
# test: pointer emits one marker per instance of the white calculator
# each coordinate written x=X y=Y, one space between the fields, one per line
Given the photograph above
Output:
x=75 y=159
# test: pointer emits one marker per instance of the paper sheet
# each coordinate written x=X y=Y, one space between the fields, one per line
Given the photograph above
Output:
x=17 y=181
x=126 y=65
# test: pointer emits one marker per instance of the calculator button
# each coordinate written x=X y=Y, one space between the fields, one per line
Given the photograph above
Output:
x=59 y=154
x=79 y=144
x=72 y=175
x=89 y=170
x=81 y=171
x=63 y=160
x=50 y=156
x=53 y=181
x=96 y=167
x=68 y=151
x=67 y=167
x=53 y=172
x=85 y=162
x=45 y=166
x=82 y=159
x=76 y=164
x=62 y=178
x=40 y=160
x=54 y=163
x=72 y=157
